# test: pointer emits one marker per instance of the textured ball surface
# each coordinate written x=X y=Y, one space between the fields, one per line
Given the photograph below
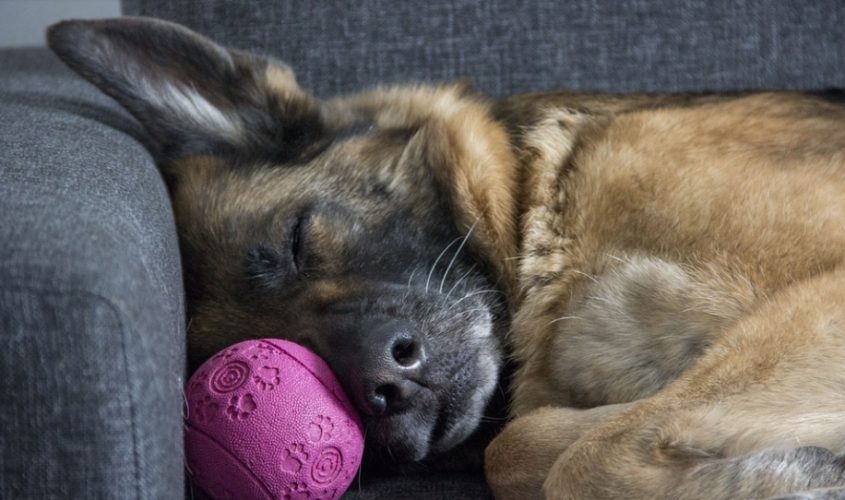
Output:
x=268 y=419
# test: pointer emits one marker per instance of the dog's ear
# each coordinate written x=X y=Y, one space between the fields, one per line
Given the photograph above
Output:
x=193 y=96
x=457 y=142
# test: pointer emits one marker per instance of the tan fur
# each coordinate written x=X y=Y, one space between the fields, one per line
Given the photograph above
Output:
x=706 y=240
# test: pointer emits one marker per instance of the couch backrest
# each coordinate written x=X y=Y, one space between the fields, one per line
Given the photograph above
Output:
x=507 y=46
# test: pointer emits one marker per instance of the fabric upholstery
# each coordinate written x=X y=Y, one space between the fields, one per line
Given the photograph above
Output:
x=91 y=302
x=508 y=46
x=91 y=321
x=422 y=487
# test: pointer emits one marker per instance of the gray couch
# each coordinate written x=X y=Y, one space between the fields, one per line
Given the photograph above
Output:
x=91 y=301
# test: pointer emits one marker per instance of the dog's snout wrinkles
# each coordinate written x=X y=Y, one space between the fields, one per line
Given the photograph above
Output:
x=390 y=368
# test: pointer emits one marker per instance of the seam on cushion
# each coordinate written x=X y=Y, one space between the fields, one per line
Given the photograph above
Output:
x=117 y=313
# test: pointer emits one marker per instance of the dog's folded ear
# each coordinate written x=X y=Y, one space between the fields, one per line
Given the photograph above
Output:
x=193 y=96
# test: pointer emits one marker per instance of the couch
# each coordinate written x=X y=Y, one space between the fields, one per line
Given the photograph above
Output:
x=92 y=323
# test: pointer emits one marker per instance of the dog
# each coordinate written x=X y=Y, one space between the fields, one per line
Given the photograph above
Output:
x=664 y=271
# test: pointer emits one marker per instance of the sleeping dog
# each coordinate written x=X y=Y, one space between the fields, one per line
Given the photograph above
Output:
x=664 y=272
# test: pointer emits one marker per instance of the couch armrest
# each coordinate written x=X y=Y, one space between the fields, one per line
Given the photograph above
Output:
x=91 y=300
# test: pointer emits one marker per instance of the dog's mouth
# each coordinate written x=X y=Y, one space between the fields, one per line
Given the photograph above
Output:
x=442 y=415
x=420 y=407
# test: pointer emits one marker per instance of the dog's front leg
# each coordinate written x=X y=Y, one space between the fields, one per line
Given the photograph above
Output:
x=761 y=414
x=644 y=454
x=519 y=459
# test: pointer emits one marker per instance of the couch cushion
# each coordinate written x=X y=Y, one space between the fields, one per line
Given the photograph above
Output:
x=91 y=307
x=451 y=486
x=506 y=46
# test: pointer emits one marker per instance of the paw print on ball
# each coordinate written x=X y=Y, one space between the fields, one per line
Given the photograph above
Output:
x=264 y=351
x=327 y=494
x=320 y=429
x=205 y=408
x=294 y=457
x=296 y=491
x=267 y=378
x=227 y=354
x=198 y=381
x=240 y=408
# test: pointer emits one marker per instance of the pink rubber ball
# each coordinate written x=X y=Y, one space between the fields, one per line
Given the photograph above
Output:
x=267 y=419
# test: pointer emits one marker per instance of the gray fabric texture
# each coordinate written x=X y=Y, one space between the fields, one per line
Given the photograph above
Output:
x=422 y=487
x=507 y=46
x=91 y=302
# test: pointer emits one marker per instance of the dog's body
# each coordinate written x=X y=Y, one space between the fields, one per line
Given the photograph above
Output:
x=675 y=299
x=684 y=264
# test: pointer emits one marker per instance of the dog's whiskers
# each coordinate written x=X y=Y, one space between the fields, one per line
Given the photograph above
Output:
x=462 y=278
x=455 y=256
x=408 y=287
x=411 y=277
x=433 y=266
x=361 y=466
x=469 y=295
x=461 y=314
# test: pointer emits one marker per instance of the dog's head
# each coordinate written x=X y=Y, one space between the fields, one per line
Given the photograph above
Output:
x=374 y=229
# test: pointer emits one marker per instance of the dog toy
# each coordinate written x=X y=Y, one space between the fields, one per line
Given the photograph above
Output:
x=268 y=419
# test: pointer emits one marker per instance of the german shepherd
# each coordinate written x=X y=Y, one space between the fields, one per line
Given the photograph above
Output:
x=665 y=272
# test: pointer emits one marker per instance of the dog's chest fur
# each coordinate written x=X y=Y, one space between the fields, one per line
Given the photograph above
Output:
x=638 y=249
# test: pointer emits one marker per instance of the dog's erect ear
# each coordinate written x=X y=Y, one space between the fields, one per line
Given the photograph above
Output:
x=456 y=141
x=192 y=95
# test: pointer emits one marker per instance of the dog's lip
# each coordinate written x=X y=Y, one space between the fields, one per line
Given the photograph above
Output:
x=444 y=427
x=410 y=435
x=395 y=434
x=388 y=433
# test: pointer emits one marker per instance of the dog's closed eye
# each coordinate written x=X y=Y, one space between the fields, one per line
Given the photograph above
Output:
x=267 y=269
x=297 y=243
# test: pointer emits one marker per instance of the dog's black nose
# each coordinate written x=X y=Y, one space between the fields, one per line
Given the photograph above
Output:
x=389 y=369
